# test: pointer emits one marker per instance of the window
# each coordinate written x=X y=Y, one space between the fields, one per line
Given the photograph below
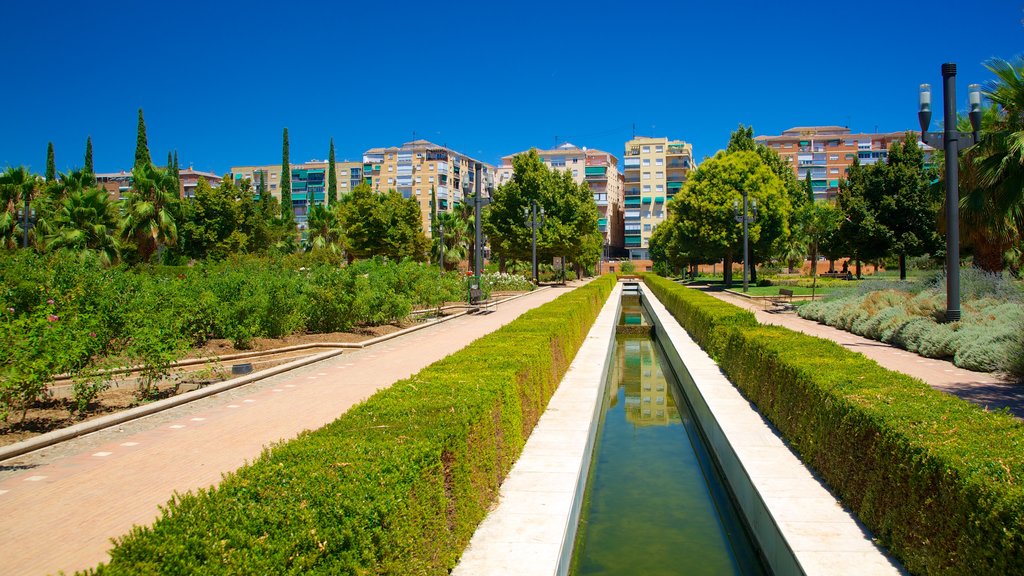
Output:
x=834 y=171
x=417 y=191
x=647 y=227
x=431 y=180
x=788 y=145
x=646 y=161
x=659 y=175
x=647 y=175
x=659 y=188
x=833 y=156
x=575 y=172
x=659 y=148
x=273 y=174
x=273 y=186
x=391 y=180
x=391 y=168
x=646 y=149
x=419 y=179
x=659 y=161
x=647 y=187
x=574 y=161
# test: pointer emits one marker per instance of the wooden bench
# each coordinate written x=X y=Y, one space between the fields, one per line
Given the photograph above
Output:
x=839 y=275
x=784 y=300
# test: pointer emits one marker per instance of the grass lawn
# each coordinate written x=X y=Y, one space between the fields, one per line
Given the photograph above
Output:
x=774 y=290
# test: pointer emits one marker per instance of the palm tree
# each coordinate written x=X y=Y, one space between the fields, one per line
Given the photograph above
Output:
x=148 y=218
x=17 y=186
x=324 y=230
x=456 y=238
x=87 y=223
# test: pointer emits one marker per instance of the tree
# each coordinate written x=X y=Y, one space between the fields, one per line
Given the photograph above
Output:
x=51 y=165
x=332 y=178
x=177 y=174
x=86 y=223
x=703 y=214
x=382 y=225
x=324 y=230
x=148 y=216
x=570 y=229
x=17 y=186
x=141 y=145
x=904 y=203
x=89 y=170
x=210 y=228
x=287 y=212
x=860 y=232
x=457 y=239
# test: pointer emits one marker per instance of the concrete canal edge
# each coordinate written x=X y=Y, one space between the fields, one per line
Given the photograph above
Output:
x=798 y=524
x=532 y=529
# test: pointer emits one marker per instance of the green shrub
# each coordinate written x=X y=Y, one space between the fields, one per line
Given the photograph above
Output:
x=397 y=485
x=935 y=479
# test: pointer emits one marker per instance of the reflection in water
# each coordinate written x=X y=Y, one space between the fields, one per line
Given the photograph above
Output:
x=649 y=509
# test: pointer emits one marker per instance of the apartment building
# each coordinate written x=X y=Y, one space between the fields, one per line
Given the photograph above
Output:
x=655 y=170
x=599 y=169
x=827 y=152
x=416 y=167
x=117 y=184
x=309 y=182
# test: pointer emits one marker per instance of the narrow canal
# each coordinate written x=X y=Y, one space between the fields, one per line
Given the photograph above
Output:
x=655 y=503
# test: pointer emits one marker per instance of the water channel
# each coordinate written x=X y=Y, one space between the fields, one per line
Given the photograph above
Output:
x=655 y=502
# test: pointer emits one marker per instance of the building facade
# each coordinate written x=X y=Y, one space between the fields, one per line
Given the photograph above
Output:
x=416 y=167
x=600 y=170
x=655 y=170
x=117 y=184
x=827 y=152
x=308 y=179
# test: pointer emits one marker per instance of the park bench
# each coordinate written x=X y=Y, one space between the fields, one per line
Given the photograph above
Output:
x=840 y=275
x=784 y=300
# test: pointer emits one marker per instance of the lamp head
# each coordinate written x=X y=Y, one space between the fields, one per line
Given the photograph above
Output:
x=974 y=99
x=924 y=110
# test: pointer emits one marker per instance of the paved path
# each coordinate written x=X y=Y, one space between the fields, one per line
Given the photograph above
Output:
x=982 y=388
x=60 y=506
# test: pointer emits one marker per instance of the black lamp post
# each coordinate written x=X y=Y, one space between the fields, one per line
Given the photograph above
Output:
x=533 y=220
x=478 y=203
x=440 y=257
x=952 y=142
x=745 y=219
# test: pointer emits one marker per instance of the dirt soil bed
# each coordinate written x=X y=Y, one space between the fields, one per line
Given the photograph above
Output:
x=55 y=413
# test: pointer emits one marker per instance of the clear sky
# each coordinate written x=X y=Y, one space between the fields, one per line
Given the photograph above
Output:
x=218 y=81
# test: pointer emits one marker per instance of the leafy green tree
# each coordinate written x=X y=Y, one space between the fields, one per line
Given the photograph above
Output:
x=382 y=225
x=51 y=164
x=86 y=223
x=287 y=212
x=141 y=145
x=89 y=170
x=332 y=178
x=148 y=215
x=703 y=214
x=904 y=202
x=457 y=239
x=211 y=227
x=570 y=215
x=862 y=235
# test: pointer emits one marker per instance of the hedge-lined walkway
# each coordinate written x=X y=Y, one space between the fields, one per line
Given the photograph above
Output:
x=61 y=515
x=982 y=388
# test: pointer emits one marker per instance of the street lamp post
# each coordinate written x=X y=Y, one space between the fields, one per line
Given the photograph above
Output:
x=440 y=258
x=478 y=203
x=533 y=221
x=745 y=219
x=952 y=142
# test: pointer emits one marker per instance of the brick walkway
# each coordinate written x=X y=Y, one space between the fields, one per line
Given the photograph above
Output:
x=985 y=389
x=60 y=506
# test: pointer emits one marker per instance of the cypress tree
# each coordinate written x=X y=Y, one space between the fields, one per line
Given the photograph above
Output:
x=332 y=178
x=433 y=212
x=263 y=183
x=51 y=165
x=808 y=187
x=88 y=156
x=141 y=146
x=287 y=213
x=177 y=175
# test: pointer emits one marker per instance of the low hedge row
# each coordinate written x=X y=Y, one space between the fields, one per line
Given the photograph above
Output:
x=396 y=485
x=936 y=479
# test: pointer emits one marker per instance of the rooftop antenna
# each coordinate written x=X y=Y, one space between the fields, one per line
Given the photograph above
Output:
x=634 y=130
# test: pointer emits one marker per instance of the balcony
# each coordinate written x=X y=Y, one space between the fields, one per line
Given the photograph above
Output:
x=675 y=184
x=600 y=171
x=633 y=179
x=633 y=202
x=631 y=163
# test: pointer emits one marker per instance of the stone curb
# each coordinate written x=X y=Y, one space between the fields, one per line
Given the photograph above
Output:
x=57 y=436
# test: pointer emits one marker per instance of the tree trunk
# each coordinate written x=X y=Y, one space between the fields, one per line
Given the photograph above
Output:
x=501 y=263
x=831 y=265
x=727 y=270
x=858 y=268
x=753 y=270
x=903 y=267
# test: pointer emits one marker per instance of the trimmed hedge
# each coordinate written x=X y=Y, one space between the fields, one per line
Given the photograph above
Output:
x=935 y=478
x=396 y=485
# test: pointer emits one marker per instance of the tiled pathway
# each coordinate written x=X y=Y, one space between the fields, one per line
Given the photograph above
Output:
x=60 y=506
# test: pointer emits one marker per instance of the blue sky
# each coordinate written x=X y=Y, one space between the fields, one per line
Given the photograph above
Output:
x=218 y=81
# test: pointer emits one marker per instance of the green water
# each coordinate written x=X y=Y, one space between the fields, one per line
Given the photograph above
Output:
x=654 y=504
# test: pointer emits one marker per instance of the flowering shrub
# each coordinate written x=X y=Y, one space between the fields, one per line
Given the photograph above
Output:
x=505 y=282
